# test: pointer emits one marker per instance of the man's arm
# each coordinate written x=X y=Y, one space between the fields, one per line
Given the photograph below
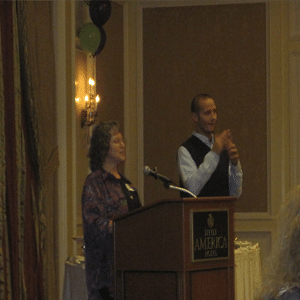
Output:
x=193 y=178
x=235 y=179
x=235 y=170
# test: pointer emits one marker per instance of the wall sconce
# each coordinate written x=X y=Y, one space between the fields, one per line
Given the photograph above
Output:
x=88 y=115
x=85 y=88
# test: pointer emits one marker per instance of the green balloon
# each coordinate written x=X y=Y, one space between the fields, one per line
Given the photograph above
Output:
x=90 y=37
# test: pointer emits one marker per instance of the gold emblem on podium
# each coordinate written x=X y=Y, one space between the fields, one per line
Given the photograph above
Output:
x=210 y=221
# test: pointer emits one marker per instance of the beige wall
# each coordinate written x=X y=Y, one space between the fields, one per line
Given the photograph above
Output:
x=110 y=79
x=215 y=49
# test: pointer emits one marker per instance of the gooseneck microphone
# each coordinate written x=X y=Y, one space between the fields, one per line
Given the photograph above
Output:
x=168 y=183
x=153 y=173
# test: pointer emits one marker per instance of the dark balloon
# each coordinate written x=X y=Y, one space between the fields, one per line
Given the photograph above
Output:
x=100 y=12
x=102 y=42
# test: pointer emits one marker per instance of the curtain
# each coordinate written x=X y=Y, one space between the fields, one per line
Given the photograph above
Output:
x=28 y=152
x=10 y=280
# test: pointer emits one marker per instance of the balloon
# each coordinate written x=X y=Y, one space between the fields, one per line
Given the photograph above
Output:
x=89 y=36
x=102 y=43
x=100 y=12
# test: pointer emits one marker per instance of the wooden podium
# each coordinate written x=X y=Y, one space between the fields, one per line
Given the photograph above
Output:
x=176 y=249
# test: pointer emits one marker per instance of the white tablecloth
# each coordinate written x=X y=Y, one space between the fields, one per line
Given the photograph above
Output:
x=247 y=274
x=247 y=271
x=74 y=283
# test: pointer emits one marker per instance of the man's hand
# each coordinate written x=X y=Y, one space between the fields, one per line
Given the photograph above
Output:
x=221 y=141
x=224 y=141
x=233 y=153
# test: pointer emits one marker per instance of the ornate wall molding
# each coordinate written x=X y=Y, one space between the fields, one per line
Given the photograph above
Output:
x=294 y=20
x=295 y=117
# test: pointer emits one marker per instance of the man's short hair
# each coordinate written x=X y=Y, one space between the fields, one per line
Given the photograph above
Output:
x=195 y=108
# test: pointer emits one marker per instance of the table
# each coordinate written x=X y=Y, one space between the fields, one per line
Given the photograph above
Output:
x=247 y=273
x=74 y=282
x=247 y=270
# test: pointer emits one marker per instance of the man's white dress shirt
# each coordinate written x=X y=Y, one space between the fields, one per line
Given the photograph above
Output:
x=194 y=179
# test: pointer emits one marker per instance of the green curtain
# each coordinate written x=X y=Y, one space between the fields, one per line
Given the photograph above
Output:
x=5 y=288
x=8 y=155
x=5 y=278
x=27 y=162
x=38 y=92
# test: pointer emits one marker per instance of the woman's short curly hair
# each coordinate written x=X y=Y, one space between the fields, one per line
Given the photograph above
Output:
x=99 y=144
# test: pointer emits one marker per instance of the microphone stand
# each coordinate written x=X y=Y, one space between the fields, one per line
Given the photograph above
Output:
x=169 y=185
x=181 y=190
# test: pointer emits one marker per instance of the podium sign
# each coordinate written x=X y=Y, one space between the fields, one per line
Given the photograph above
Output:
x=209 y=229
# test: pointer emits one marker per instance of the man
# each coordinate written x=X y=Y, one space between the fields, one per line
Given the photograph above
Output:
x=209 y=165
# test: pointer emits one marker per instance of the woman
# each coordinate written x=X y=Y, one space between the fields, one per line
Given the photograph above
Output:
x=107 y=194
x=282 y=280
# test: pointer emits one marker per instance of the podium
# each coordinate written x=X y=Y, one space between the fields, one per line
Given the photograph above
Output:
x=178 y=249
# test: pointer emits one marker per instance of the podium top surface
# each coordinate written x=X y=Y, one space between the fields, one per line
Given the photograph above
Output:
x=179 y=200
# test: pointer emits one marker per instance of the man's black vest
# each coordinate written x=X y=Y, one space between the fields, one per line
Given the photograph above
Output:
x=218 y=184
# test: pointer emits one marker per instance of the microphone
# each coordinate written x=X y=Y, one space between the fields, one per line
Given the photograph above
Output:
x=168 y=184
x=148 y=171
